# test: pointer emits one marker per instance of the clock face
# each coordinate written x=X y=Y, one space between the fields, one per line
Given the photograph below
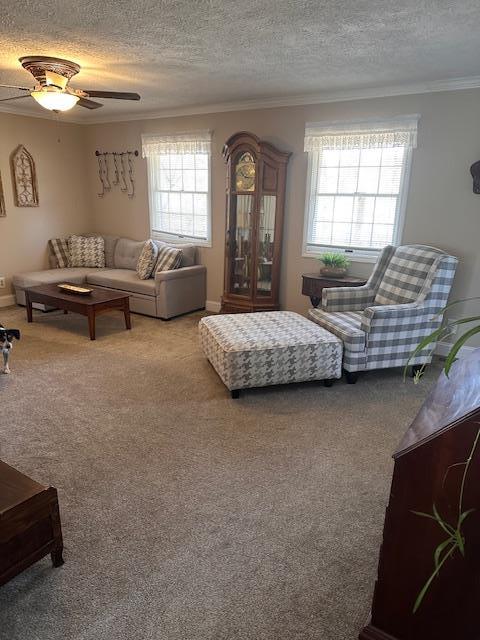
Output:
x=245 y=173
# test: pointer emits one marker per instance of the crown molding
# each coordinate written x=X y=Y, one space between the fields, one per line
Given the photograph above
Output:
x=434 y=86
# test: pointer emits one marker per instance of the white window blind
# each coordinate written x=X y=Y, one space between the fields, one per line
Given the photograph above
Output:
x=179 y=185
x=357 y=183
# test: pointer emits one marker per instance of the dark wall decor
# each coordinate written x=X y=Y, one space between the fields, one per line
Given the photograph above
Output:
x=428 y=585
x=475 y=171
x=3 y=211
x=256 y=178
x=122 y=171
x=24 y=178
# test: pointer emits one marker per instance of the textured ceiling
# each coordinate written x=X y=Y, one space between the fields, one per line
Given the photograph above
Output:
x=186 y=53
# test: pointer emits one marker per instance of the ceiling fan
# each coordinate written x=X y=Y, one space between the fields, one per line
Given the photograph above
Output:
x=52 y=91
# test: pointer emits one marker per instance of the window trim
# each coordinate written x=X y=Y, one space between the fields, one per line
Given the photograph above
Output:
x=354 y=254
x=177 y=238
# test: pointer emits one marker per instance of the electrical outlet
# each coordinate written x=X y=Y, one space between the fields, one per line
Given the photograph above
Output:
x=2 y=282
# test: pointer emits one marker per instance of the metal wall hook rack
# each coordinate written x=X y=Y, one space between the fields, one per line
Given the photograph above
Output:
x=122 y=171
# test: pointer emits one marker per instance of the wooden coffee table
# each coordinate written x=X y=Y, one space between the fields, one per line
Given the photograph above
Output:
x=97 y=302
x=29 y=523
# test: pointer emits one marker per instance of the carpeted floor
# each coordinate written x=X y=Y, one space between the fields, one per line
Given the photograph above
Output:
x=187 y=515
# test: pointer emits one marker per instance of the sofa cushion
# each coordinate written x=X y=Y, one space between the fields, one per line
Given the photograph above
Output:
x=127 y=253
x=169 y=258
x=147 y=260
x=406 y=274
x=86 y=251
x=51 y=276
x=110 y=245
x=346 y=325
x=189 y=252
x=123 y=279
x=58 y=248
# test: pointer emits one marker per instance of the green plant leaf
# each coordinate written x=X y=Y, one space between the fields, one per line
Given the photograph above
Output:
x=445 y=526
x=438 y=551
x=457 y=346
x=452 y=323
x=449 y=529
x=426 y=586
x=433 y=337
x=464 y=515
x=460 y=542
x=455 y=302
x=424 y=590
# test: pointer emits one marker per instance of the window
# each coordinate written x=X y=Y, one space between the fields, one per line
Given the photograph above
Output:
x=179 y=186
x=357 y=185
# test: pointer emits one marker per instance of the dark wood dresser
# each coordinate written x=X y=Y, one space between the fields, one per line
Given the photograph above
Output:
x=314 y=283
x=428 y=581
x=29 y=523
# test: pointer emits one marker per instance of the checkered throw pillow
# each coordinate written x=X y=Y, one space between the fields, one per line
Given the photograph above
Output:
x=405 y=275
x=168 y=258
x=59 y=250
x=146 y=260
x=86 y=251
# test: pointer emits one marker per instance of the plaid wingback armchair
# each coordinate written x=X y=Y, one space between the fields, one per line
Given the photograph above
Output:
x=382 y=322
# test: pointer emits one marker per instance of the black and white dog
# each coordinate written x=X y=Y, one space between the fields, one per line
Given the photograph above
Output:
x=6 y=337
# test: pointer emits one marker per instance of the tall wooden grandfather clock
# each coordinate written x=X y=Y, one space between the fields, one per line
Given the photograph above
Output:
x=256 y=178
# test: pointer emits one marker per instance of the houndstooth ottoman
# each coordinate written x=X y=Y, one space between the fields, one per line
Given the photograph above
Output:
x=274 y=347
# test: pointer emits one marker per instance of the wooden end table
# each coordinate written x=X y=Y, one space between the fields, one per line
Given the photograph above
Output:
x=314 y=283
x=99 y=301
x=29 y=523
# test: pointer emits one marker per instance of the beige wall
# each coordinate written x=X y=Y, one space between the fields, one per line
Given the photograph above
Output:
x=441 y=208
x=60 y=163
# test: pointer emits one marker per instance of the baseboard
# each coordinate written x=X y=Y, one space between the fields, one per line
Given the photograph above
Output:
x=213 y=306
x=443 y=348
x=7 y=301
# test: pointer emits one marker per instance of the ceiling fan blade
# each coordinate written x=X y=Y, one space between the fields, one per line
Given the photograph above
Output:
x=14 y=98
x=11 y=86
x=89 y=104
x=118 y=95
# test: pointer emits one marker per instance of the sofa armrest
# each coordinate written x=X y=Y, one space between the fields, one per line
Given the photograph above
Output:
x=180 y=290
x=418 y=316
x=182 y=272
x=347 y=298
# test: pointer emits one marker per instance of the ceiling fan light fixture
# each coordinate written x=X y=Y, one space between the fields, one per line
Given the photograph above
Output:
x=55 y=100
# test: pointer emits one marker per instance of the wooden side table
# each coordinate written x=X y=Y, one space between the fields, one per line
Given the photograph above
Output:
x=29 y=523
x=314 y=283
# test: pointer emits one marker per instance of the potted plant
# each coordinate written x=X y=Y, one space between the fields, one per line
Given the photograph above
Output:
x=334 y=264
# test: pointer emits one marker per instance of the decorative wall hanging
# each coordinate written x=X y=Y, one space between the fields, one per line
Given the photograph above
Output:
x=475 y=171
x=3 y=211
x=24 y=177
x=122 y=171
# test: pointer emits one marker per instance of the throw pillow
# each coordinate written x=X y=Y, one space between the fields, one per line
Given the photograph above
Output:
x=146 y=260
x=86 y=251
x=59 y=250
x=168 y=258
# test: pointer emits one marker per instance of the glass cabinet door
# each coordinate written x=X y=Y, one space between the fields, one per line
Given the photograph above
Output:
x=241 y=244
x=242 y=204
x=266 y=239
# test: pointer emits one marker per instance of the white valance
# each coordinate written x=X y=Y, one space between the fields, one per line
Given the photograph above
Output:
x=362 y=134
x=191 y=142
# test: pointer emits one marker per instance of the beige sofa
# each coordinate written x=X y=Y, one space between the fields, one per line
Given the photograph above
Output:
x=167 y=294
